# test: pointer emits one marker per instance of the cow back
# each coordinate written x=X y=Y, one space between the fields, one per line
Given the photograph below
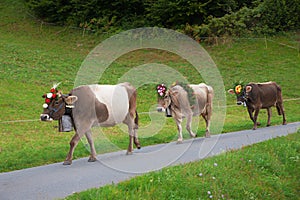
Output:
x=263 y=94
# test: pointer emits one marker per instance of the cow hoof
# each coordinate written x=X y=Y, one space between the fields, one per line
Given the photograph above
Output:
x=67 y=162
x=284 y=123
x=129 y=153
x=254 y=128
x=268 y=125
x=179 y=142
x=92 y=159
x=207 y=135
x=139 y=147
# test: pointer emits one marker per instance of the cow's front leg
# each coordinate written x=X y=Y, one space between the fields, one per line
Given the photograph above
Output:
x=269 y=116
x=250 y=111
x=89 y=137
x=255 y=119
x=179 y=128
x=189 y=126
x=73 y=144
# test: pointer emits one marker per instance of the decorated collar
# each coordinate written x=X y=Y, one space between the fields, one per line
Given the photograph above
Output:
x=53 y=94
x=161 y=90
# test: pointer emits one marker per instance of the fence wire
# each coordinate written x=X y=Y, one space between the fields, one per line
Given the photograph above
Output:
x=140 y=113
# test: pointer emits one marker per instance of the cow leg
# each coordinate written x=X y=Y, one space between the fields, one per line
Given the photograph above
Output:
x=280 y=110
x=130 y=145
x=73 y=144
x=250 y=111
x=207 y=123
x=179 y=128
x=136 y=139
x=255 y=119
x=89 y=137
x=269 y=116
x=189 y=126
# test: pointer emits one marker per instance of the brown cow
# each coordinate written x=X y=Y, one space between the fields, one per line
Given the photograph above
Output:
x=182 y=103
x=94 y=105
x=257 y=96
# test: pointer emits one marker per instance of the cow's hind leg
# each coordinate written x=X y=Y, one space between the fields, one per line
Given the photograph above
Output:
x=189 y=126
x=136 y=126
x=280 y=111
x=269 y=116
x=73 y=144
x=89 y=137
x=179 y=128
x=207 y=123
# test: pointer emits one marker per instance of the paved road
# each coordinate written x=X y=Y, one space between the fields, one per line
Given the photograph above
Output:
x=58 y=181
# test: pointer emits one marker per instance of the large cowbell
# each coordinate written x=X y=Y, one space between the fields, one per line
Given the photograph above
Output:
x=65 y=123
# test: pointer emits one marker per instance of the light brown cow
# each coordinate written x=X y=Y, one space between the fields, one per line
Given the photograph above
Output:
x=95 y=105
x=176 y=102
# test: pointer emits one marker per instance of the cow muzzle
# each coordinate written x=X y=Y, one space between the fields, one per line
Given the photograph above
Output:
x=239 y=103
x=45 y=117
x=160 y=109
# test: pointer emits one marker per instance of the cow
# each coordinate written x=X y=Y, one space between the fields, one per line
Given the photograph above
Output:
x=258 y=96
x=183 y=100
x=94 y=105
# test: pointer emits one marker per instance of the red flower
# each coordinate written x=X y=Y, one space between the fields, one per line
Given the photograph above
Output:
x=54 y=95
x=47 y=100
x=52 y=90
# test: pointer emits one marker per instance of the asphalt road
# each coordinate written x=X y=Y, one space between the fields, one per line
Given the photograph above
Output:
x=58 y=181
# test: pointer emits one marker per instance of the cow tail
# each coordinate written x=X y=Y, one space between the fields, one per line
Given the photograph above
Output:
x=210 y=96
x=136 y=120
x=279 y=100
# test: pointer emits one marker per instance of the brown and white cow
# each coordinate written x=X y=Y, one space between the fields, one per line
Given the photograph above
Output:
x=176 y=102
x=95 y=105
x=257 y=96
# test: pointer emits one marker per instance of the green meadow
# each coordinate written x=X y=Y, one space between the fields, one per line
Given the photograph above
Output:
x=34 y=55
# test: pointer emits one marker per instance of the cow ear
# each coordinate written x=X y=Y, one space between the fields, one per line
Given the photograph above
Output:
x=231 y=91
x=248 y=88
x=71 y=99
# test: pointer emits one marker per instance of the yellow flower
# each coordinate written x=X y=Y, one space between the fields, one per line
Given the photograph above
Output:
x=238 y=89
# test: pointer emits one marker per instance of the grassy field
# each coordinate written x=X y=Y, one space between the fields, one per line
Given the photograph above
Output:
x=35 y=55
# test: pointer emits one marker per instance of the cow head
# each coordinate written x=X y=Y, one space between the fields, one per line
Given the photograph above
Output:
x=55 y=104
x=161 y=90
x=241 y=94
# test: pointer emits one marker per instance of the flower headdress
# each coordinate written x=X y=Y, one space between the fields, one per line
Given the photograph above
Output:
x=238 y=87
x=53 y=94
x=161 y=90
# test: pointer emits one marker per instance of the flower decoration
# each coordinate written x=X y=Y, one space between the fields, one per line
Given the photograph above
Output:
x=53 y=94
x=161 y=90
x=238 y=89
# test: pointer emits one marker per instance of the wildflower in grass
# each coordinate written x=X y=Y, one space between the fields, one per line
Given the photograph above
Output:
x=213 y=177
x=210 y=196
x=215 y=164
x=200 y=174
x=208 y=192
